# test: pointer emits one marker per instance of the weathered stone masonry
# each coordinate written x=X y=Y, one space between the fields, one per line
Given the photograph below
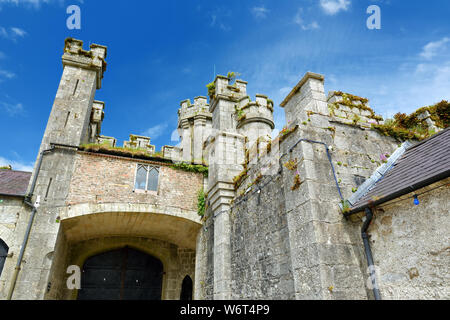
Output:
x=273 y=227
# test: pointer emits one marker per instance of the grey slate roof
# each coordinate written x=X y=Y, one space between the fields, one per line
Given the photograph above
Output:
x=422 y=164
x=14 y=183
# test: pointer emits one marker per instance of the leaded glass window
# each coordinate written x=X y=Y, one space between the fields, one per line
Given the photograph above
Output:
x=146 y=177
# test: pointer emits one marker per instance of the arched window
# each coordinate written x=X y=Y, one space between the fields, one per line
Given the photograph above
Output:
x=186 y=289
x=3 y=253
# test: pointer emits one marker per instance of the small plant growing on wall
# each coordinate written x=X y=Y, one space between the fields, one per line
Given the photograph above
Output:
x=291 y=164
x=201 y=202
x=345 y=206
x=297 y=182
x=211 y=89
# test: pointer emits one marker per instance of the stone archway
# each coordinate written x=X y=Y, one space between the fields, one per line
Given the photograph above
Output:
x=89 y=221
x=121 y=274
x=87 y=230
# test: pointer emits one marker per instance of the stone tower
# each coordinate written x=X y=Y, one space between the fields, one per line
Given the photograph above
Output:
x=237 y=123
x=74 y=119
x=194 y=127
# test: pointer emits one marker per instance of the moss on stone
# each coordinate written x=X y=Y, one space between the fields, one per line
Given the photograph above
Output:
x=201 y=202
x=211 y=89
x=196 y=168
x=240 y=178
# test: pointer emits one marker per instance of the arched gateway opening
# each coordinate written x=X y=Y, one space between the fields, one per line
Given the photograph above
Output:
x=123 y=274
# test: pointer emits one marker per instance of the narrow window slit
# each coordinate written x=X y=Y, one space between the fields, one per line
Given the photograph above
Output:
x=48 y=188
x=67 y=119
x=76 y=86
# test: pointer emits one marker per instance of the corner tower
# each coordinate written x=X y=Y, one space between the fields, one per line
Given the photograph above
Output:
x=194 y=127
x=73 y=120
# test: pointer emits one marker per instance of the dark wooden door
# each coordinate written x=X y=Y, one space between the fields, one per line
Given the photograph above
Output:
x=124 y=274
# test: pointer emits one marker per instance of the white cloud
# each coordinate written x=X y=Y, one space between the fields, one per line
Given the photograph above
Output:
x=219 y=18
x=432 y=49
x=175 y=136
x=18 y=32
x=298 y=19
x=260 y=12
x=35 y=4
x=332 y=7
x=156 y=131
x=13 y=33
x=16 y=165
x=12 y=108
x=6 y=74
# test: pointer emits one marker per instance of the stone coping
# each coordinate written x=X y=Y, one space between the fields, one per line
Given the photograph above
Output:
x=307 y=76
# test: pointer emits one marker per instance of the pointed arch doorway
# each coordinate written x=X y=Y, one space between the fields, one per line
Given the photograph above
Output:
x=123 y=274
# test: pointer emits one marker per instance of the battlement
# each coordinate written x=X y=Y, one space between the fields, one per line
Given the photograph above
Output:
x=200 y=109
x=223 y=88
x=260 y=110
x=349 y=108
x=94 y=59
x=107 y=140
x=139 y=142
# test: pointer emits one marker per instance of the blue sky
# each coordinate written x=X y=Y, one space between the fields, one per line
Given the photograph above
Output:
x=162 y=52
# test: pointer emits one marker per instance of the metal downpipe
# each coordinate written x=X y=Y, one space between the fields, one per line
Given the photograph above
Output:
x=368 y=251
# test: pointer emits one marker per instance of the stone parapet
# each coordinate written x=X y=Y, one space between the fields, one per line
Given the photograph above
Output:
x=139 y=142
x=75 y=55
x=351 y=109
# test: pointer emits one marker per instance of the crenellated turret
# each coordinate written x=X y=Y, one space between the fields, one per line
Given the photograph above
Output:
x=255 y=119
x=194 y=127
x=224 y=97
x=76 y=56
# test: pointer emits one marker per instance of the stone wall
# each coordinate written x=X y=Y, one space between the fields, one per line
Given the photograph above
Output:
x=13 y=221
x=289 y=238
x=411 y=245
x=260 y=251
x=102 y=178
x=204 y=265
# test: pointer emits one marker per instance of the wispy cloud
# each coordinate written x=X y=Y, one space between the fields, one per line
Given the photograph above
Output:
x=2 y=55
x=16 y=165
x=18 y=32
x=156 y=131
x=298 y=19
x=6 y=74
x=432 y=49
x=33 y=4
x=218 y=18
x=260 y=12
x=12 y=109
x=12 y=33
x=332 y=7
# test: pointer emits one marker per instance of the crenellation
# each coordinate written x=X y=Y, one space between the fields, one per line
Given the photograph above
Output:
x=75 y=56
x=139 y=142
x=106 y=140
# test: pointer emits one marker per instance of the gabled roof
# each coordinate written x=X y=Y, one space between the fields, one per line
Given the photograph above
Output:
x=421 y=165
x=14 y=183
